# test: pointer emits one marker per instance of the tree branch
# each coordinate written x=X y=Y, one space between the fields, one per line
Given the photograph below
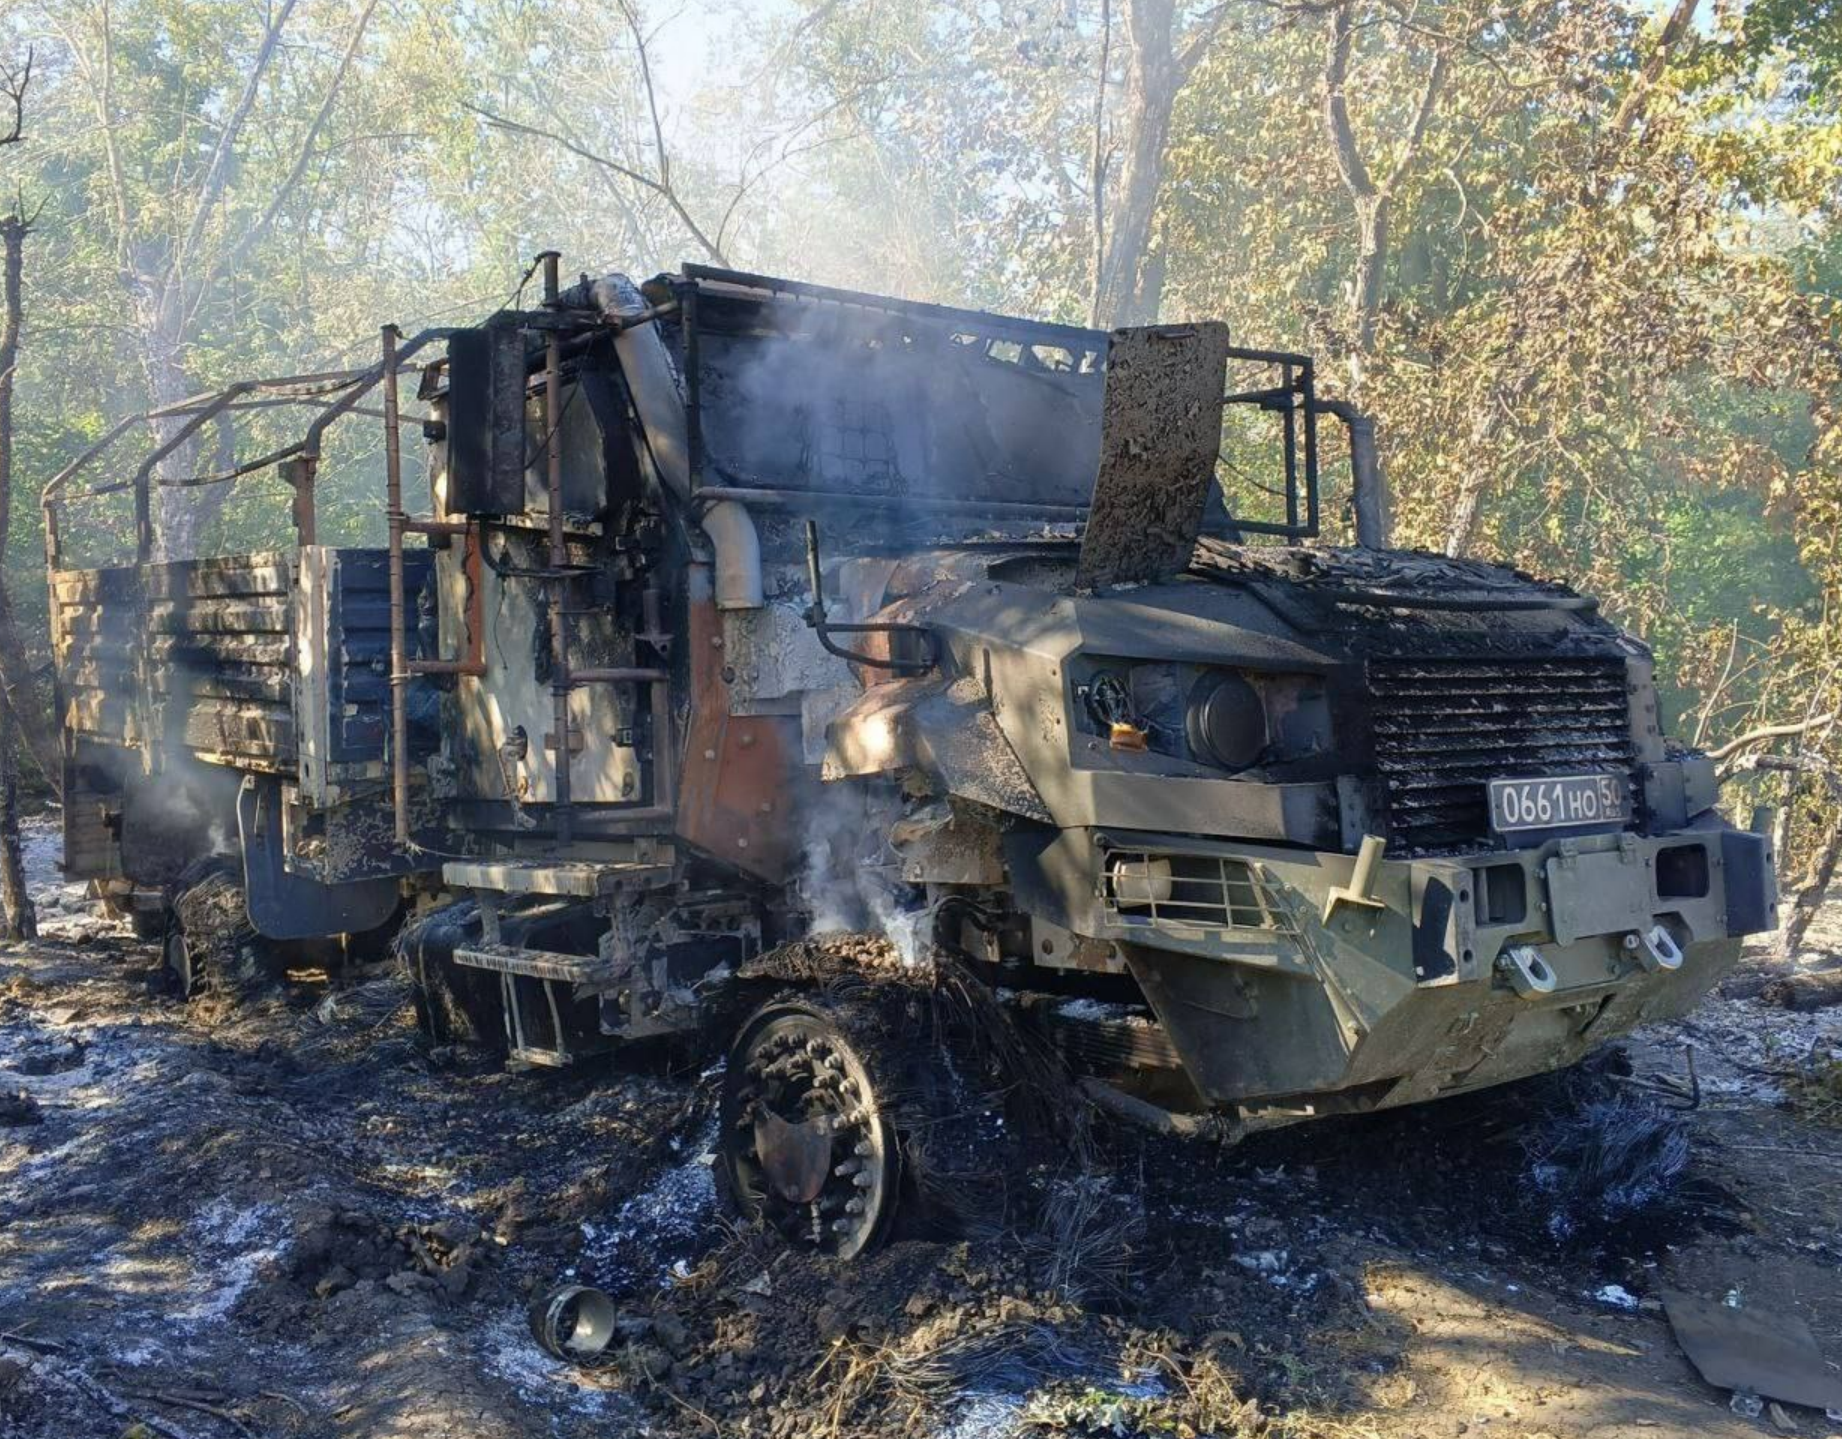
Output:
x=211 y=187
x=303 y=155
x=1201 y=38
x=13 y=85
x=103 y=94
x=1098 y=182
x=652 y=99
x=1350 y=166
x=659 y=188
x=1423 y=114
x=1631 y=109
x=1768 y=732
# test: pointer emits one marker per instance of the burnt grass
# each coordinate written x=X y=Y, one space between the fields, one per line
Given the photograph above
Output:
x=299 y=1214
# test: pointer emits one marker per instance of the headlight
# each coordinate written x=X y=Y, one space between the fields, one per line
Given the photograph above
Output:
x=1226 y=721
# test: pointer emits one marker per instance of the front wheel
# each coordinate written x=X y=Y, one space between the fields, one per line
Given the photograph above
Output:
x=806 y=1145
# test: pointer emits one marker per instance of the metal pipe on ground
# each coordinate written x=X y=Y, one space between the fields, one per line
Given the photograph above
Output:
x=1146 y=1115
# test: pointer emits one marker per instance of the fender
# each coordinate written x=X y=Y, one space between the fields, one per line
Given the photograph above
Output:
x=290 y=906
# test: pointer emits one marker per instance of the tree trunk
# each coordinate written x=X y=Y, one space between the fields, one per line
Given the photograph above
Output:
x=1372 y=217
x=1461 y=528
x=1131 y=281
x=21 y=919
x=176 y=512
x=18 y=693
x=1809 y=899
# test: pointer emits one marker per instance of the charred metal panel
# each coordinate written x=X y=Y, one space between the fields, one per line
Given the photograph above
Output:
x=219 y=658
x=92 y=801
x=285 y=905
x=342 y=638
x=485 y=416
x=497 y=727
x=95 y=628
x=194 y=656
x=1160 y=433
x=804 y=388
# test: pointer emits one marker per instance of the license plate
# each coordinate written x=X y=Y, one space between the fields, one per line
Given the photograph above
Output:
x=1557 y=802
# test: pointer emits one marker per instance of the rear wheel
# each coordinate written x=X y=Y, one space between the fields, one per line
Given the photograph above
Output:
x=210 y=945
x=806 y=1145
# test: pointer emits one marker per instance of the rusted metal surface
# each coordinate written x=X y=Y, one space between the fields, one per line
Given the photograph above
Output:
x=1159 y=437
x=399 y=659
x=736 y=788
x=558 y=580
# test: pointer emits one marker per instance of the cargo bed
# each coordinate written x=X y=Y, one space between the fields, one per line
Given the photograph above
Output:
x=274 y=663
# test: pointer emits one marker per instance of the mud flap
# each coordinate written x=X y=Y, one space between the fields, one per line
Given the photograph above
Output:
x=289 y=906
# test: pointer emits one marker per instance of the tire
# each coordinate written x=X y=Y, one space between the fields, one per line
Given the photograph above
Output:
x=211 y=948
x=454 y=1005
x=800 y=1087
x=971 y=1105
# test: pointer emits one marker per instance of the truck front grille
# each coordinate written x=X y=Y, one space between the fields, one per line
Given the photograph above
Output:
x=1444 y=728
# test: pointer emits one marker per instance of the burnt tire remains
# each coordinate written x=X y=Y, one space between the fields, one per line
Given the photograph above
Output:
x=953 y=1108
x=211 y=948
x=807 y=1147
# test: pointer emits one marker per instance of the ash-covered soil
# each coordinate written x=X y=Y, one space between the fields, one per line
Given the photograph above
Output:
x=296 y=1218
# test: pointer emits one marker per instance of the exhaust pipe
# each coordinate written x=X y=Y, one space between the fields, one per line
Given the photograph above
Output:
x=738 y=555
x=660 y=406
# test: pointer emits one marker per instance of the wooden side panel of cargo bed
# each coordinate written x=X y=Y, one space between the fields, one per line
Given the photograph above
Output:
x=196 y=656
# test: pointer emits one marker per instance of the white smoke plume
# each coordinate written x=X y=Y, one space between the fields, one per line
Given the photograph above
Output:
x=852 y=881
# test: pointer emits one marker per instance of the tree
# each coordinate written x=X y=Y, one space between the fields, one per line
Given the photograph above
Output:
x=1161 y=56
x=1616 y=155
x=19 y=711
x=1372 y=199
x=179 y=231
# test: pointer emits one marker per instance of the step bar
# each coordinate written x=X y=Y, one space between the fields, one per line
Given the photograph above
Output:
x=577 y=879
x=534 y=963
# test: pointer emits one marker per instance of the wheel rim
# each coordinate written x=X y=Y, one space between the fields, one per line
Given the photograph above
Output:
x=806 y=1144
x=178 y=957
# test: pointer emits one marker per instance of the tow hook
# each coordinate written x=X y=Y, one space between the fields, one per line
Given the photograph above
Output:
x=1656 y=950
x=1528 y=973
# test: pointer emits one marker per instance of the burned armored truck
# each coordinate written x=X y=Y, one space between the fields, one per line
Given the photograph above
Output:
x=722 y=613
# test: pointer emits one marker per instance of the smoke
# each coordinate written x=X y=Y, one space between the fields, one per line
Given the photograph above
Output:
x=900 y=407
x=852 y=882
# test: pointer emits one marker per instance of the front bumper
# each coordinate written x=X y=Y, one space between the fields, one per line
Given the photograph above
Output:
x=1306 y=988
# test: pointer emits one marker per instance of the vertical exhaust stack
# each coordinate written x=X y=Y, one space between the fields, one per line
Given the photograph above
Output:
x=660 y=406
